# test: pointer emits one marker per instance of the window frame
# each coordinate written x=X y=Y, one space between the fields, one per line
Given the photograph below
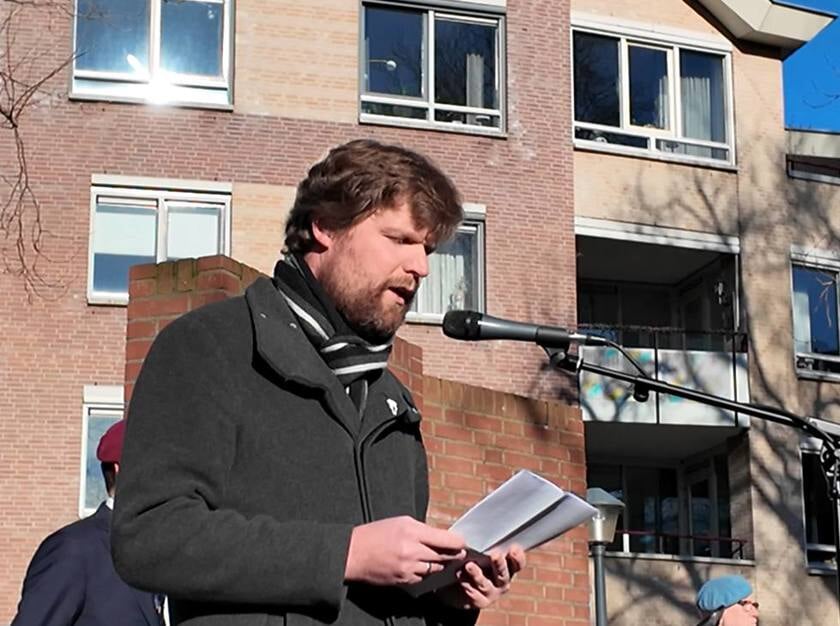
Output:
x=793 y=171
x=684 y=473
x=456 y=11
x=812 y=447
x=164 y=192
x=183 y=89
x=474 y=218
x=825 y=262
x=98 y=401
x=673 y=43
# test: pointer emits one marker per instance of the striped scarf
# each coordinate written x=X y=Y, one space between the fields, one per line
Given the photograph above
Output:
x=350 y=357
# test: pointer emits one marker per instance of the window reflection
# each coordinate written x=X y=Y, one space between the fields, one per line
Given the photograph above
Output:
x=191 y=37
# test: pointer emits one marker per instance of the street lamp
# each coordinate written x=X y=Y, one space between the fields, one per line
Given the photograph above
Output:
x=602 y=532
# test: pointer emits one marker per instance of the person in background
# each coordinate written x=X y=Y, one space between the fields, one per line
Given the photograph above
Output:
x=727 y=601
x=71 y=580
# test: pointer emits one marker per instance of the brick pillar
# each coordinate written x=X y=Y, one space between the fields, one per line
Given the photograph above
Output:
x=159 y=293
x=476 y=439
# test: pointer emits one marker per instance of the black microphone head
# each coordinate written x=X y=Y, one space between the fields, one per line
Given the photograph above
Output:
x=462 y=325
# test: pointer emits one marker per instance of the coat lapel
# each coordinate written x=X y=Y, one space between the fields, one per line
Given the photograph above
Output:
x=278 y=337
x=388 y=400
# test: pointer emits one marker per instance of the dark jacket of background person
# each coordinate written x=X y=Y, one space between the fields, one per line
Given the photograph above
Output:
x=71 y=581
x=246 y=467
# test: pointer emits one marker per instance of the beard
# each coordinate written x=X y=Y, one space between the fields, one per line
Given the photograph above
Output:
x=363 y=307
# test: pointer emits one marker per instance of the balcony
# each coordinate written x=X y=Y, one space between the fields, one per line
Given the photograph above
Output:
x=713 y=362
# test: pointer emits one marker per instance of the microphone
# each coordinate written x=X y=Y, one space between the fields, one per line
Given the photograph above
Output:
x=474 y=326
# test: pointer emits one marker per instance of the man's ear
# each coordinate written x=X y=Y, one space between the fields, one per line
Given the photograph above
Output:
x=116 y=468
x=323 y=237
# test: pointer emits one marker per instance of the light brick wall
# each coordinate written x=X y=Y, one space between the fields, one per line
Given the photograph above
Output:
x=476 y=438
x=768 y=212
x=297 y=59
x=259 y=220
x=52 y=348
x=647 y=191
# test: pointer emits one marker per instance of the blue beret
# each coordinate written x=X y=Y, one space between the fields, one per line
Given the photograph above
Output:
x=722 y=592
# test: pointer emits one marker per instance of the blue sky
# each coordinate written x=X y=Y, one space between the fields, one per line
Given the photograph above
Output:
x=812 y=74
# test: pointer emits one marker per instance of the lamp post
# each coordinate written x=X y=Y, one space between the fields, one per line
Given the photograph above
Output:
x=601 y=532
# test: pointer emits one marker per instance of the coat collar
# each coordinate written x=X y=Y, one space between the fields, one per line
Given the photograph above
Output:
x=286 y=349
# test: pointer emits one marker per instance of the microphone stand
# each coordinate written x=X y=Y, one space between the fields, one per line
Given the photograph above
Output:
x=642 y=386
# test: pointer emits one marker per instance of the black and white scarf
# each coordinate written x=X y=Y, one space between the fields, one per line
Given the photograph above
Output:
x=350 y=357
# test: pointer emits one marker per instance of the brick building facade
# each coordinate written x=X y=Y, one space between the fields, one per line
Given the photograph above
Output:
x=644 y=199
x=287 y=89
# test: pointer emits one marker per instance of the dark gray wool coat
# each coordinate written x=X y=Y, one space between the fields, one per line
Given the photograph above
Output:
x=246 y=467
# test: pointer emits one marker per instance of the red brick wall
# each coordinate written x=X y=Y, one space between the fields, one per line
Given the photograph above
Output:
x=476 y=438
x=524 y=179
x=160 y=293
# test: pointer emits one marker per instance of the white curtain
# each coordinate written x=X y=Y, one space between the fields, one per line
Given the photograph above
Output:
x=662 y=103
x=475 y=84
x=703 y=110
x=446 y=286
x=697 y=107
x=475 y=80
x=801 y=320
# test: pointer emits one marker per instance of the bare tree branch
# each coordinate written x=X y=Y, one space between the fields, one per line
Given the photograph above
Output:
x=26 y=74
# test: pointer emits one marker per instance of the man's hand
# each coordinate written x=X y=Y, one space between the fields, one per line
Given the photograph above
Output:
x=399 y=550
x=475 y=590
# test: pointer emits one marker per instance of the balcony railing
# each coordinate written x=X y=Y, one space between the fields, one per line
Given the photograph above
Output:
x=652 y=542
x=709 y=361
x=670 y=337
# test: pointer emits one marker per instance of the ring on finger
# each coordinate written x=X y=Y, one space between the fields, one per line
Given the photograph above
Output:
x=428 y=568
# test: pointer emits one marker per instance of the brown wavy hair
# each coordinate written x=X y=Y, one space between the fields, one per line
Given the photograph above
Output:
x=363 y=176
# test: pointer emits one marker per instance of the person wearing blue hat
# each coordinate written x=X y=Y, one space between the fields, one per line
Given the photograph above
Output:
x=727 y=601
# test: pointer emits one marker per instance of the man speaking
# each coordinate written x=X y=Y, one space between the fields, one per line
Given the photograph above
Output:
x=274 y=472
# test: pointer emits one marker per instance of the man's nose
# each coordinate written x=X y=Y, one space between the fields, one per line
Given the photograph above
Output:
x=417 y=262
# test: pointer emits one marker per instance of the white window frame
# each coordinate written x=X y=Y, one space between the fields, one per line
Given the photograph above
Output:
x=485 y=13
x=474 y=222
x=158 y=86
x=828 y=262
x=672 y=42
x=98 y=401
x=165 y=193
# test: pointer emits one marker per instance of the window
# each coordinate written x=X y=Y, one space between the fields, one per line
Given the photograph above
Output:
x=102 y=407
x=819 y=517
x=431 y=67
x=150 y=222
x=671 y=510
x=816 y=169
x=636 y=94
x=154 y=50
x=816 y=337
x=456 y=274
